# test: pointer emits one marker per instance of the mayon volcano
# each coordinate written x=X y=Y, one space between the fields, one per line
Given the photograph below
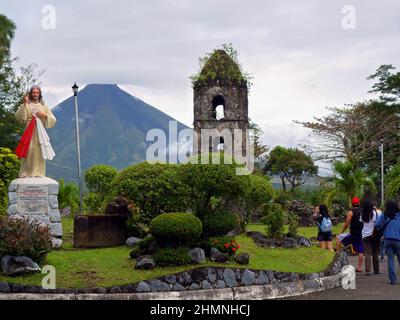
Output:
x=113 y=126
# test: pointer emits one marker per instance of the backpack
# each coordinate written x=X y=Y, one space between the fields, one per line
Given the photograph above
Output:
x=326 y=225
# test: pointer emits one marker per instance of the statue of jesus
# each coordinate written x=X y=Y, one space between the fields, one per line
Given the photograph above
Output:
x=34 y=140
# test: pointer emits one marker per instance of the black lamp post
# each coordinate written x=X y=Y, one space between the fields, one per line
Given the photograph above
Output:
x=78 y=149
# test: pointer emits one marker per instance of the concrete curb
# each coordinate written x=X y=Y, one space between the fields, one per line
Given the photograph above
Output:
x=257 y=292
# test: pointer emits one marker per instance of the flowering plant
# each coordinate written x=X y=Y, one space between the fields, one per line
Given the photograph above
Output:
x=225 y=244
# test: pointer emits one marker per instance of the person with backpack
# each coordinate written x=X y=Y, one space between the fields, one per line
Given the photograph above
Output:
x=354 y=238
x=371 y=245
x=324 y=222
x=388 y=224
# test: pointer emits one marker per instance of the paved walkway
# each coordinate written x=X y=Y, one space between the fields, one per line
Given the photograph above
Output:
x=374 y=287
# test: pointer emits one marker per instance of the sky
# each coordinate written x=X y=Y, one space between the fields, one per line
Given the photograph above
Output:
x=304 y=55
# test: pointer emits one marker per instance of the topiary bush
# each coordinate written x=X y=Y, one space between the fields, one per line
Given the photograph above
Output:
x=20 y=237
x=219 y=223
x=155 y=188
x=168 y=256
x=98 y=178
x=176 y=228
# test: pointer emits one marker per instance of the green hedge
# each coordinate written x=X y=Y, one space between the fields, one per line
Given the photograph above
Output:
x=177 y=227
x=172 y=256
x=219 y=223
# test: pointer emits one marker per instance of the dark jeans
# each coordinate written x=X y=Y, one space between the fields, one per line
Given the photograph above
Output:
x=392 y=248
x=371 y=251
x=382 y=249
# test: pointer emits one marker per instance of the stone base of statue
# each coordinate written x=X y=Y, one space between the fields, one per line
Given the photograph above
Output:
x=36 y=199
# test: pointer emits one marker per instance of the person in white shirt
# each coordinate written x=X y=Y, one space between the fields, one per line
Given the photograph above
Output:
x=371 y=246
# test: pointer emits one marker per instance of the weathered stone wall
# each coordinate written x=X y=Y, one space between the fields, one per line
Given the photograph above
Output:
x=202 y=278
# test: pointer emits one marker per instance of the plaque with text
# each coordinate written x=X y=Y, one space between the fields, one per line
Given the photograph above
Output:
x=33 y=199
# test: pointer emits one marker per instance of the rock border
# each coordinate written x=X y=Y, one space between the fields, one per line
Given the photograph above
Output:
x=238 y=284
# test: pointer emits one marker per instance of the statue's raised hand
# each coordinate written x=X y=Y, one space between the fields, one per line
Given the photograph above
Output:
x=26 y=99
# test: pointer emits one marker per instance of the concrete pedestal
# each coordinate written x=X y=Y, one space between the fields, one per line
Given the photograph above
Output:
x=36 y=199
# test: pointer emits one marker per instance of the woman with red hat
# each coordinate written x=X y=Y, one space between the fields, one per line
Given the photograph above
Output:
x=354 y=238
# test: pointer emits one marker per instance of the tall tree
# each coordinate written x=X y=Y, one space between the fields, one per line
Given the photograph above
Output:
x=12 y=86
x=292 y=165
x=349 y=180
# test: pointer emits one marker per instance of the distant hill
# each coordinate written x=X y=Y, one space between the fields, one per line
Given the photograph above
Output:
x=113 y=126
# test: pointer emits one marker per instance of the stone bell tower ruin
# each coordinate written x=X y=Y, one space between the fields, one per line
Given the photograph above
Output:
x=220 y=102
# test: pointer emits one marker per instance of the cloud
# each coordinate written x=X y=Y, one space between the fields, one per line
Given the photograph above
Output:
x=301 y=58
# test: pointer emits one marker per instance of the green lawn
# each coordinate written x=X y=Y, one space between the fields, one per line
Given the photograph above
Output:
x=308 y=232
x=77 y=268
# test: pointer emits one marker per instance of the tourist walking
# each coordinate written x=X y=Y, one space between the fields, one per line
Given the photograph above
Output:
x=371 y=245
x=324 y=222
x=389 y=224
x=354 y=238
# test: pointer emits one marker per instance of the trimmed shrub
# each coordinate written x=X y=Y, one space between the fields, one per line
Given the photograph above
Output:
x=219 y=223
x=155 y=188
x=225 y=244
x=20 y=237
x=275 y=220
x=168 y=256
x=98 y=178
x=176 y=228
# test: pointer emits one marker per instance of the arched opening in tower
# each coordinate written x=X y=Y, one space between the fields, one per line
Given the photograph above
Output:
x=218 y=107
x=220 y=146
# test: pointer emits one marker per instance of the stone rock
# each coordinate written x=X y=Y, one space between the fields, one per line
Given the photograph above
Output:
x=54 y=215
x=303 y=242
x=43 y=220
x=211 y=275
x=132 y=241
x=56 y=229
x=205 y=285
x=217 y=256
x=4 y=287
x=248 y=278
x=185 y=279
x=12 y=209
x=53 y=188
x=56 y=243
x=194 y=286
x=145 y=263
x=53 y=201
x=262 y=241
x=229 y=278
x=262 y=278
x=197 y=275
x=170 y=279
x=289 y=243
x=16 y=265
x=178 y=287
x=12 y=197
x=158 y=286
x=13 y=187
x=197 y=255
x=220 y=284
x=242 y=258
x=143 y=287
x=135 y=254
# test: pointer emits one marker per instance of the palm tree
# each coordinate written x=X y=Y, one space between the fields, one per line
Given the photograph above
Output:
x=349 y=180
x=68 y=195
